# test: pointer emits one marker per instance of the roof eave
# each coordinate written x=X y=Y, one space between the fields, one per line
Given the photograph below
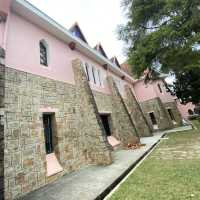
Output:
x=30 y=12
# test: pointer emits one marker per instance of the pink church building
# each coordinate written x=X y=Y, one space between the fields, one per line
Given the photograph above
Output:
x=65 y=104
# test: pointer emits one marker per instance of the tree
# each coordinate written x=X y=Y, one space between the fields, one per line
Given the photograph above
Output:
x=187 y=85
x=164 y=36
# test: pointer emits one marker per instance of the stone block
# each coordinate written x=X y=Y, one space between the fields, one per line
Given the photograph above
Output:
x=20 y=178
x=28 y=163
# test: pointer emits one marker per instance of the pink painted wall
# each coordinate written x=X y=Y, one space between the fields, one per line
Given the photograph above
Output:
x=22 y=53
x=5 y=6
x=184 y=108
x=164 y=96
x=144 y=92
x=148 y=91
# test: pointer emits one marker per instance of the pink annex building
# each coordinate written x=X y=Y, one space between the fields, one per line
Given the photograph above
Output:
x=65 y=104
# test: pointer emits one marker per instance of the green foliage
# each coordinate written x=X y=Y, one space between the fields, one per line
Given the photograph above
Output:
x=162 y=34
x=187 y=85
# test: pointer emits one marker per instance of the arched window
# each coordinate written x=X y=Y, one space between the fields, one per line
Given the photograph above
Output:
x=43 y=53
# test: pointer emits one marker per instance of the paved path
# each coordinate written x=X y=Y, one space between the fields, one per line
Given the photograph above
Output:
x=89 y=182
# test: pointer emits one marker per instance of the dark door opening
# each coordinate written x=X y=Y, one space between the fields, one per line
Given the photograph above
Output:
x=105 y=121
x=153 y=118
x=171 y=114
x=47 y=123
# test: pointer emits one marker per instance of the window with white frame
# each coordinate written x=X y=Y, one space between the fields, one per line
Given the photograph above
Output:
x=118 y=84
x=93 y=75
x=96 y=76
x=44 y=53
x=99 y=77
x=86 y=68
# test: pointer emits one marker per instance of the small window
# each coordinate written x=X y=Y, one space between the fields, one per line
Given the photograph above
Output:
x=96 y=76
x=43 y=53
x=171 y=114
x=93 y=73
x=159 y=87
x=87 y=71
x=153 y=118
x=119 y=85
x=99 y=76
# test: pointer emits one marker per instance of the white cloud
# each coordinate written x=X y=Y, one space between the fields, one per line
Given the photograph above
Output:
x=98 y=20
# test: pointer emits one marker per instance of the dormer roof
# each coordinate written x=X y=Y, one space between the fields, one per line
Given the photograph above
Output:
x=100 y=49
x=76 y=31
x=115 y=61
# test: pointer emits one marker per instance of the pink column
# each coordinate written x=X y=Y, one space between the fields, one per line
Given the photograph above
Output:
x=4 y=13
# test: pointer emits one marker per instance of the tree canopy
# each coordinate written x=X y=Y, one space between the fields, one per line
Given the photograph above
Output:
x=164 y=35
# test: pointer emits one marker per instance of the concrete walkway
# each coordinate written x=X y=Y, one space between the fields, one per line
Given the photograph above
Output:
x=88 y=183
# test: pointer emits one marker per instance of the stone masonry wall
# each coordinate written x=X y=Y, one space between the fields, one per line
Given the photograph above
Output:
x=175 y=111
x=79 y=135
x=122 y=125
x=2 y=86
x=155 y=105
x=141 y=124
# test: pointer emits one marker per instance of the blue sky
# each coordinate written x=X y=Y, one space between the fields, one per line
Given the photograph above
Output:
x=98 y=20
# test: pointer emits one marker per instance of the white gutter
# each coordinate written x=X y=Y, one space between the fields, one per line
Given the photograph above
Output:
x=27 y=10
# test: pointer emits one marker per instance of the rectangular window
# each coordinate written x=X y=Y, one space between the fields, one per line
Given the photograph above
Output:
x=119 y=85
x=171 y=114
x=90 y=73
x=86 y=67
x=93 y=74
x=43 y=54
x=96 y=76
x=99 y=76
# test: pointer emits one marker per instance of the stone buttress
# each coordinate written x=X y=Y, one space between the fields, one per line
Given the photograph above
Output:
x=96 y=148
x=137 y=115
x=123 y=126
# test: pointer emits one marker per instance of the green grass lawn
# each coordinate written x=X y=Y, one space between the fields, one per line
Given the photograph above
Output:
x=171 y=172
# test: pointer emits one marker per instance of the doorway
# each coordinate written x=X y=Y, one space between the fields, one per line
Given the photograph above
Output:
x=105 y=122
x=153 y=118
x=47 y=124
